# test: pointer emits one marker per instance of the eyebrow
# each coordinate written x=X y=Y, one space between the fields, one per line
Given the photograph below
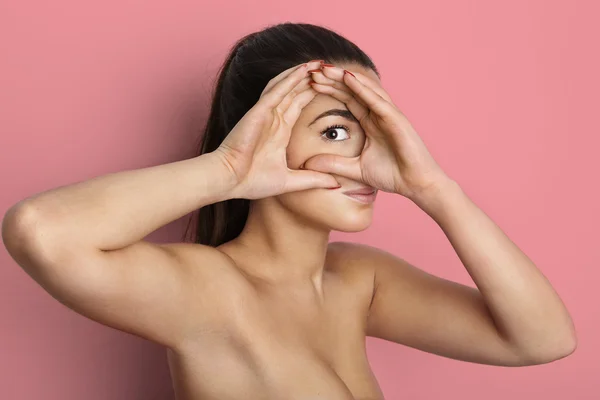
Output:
x=335 y=111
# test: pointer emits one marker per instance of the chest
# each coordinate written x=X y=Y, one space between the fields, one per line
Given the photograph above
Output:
x=290 y=331
x=286 y=348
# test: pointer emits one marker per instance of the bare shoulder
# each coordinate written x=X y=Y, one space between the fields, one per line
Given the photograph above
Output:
x=206 y=265
x=351 y=261
x=191 y=255
x=213 y=284
x=363 y=258
x=352 y=258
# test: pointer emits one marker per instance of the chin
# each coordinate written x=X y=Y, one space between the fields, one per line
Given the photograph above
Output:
x=349 y=224
x=332 y=211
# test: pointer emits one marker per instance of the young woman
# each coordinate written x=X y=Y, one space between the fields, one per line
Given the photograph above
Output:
x=260 y=305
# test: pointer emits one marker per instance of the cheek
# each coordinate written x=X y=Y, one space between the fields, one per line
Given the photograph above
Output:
x=301 y=149
x=357 y=144
x=296 y=152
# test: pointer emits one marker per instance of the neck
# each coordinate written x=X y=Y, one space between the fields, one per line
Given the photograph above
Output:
x=288 y=247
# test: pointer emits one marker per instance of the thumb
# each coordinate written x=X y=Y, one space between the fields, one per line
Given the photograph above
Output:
x=334 y=164
x=303 y=180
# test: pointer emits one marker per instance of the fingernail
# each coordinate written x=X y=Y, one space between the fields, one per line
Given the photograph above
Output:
x=348 y=72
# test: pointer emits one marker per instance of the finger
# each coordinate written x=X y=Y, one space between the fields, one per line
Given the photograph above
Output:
x=365 y=88
x=303 y=180
x=285 y=73
x=318 y=77
x=337 y=74
x=290 y=116
x=302 y=86
x=335 y=164
x=359 y=110
x=271 y=98
x=374 y=101
x=300 y=101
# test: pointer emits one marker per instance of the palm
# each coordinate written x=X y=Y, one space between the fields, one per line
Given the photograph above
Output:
x=394 y=158
x=255 y=152
x=377 y=161
x=269 y=173
x=259 y=162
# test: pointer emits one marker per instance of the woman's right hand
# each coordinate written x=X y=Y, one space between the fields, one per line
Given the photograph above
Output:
x=254 y=151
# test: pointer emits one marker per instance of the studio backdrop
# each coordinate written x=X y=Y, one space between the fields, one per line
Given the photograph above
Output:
x=504 y=94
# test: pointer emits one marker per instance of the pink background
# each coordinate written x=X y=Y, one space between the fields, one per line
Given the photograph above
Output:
x=504 y=93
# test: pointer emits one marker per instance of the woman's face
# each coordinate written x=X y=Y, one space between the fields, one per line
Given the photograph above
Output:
x=337 y=133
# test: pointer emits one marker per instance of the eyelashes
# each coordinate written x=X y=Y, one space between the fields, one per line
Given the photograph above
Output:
x=332 y=127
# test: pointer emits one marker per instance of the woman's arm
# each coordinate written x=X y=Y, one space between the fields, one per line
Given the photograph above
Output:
x=512 y=318
x=115 y=210
x=82 y=244
x=526 y=309
x=531 y=321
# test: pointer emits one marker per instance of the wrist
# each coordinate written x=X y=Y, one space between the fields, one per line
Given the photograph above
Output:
x=222 y=175
x=434 y=196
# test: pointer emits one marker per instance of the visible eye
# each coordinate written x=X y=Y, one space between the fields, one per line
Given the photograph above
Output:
x=330 y=134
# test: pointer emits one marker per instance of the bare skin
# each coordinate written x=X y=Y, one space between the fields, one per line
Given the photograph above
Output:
x=279 y=312
x=283 y=340
x=254 y=318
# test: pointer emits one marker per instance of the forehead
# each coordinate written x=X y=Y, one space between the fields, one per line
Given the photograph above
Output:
x=324 y=100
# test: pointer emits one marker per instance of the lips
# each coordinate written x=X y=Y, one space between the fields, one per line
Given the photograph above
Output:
x=364 y=191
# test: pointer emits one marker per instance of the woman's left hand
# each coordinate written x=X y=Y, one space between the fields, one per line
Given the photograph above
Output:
x=394 y=158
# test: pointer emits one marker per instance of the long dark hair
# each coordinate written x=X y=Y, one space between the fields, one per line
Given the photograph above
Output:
x=253 y=61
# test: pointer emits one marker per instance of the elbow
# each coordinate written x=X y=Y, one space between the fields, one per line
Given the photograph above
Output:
x=564 y=350
x=567 y=345
x=21 y=235
x=16 y=225
x=569 y=348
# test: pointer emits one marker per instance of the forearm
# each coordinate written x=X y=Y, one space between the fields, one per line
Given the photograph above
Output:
x=114 y=210
x=526 y=309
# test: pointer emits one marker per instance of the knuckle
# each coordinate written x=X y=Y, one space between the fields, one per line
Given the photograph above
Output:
x=271 y=82
x=363 y=118
x=276 y=121
x=259 y=108
x=266 y=89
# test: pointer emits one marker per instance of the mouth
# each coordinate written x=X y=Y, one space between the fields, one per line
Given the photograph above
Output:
x=366 y=196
